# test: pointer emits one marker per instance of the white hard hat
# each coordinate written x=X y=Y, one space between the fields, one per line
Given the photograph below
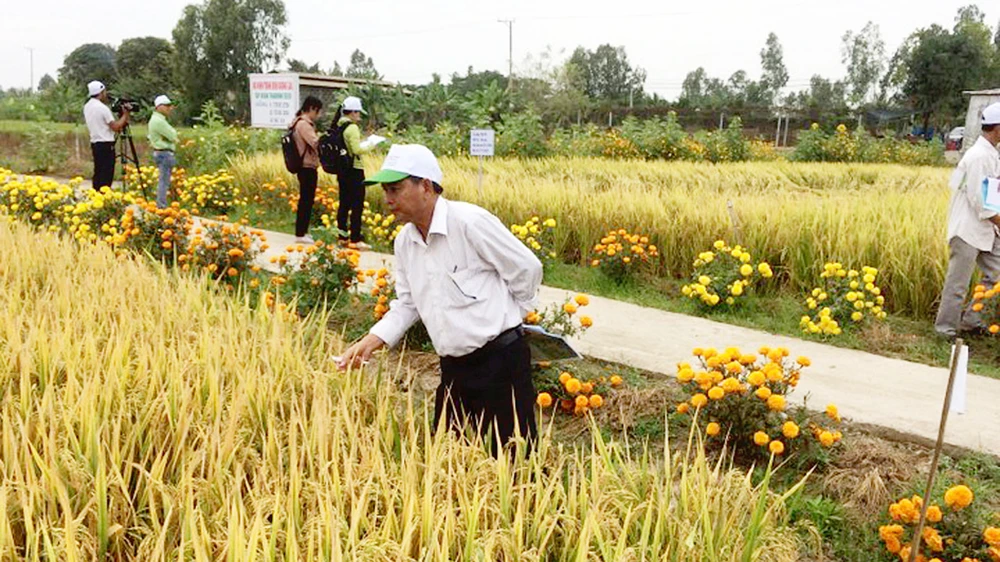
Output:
x=94 y=88
x=991 y=115
x=353 y=103
x=405 y=160
x=162 y=100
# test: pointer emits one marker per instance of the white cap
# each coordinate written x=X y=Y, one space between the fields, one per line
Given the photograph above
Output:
x=991 y=115
x=94 y=88
x=162 y=100
x=406 y=160
x=353 y=103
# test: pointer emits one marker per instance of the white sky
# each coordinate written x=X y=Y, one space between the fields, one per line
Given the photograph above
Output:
x=410 y=39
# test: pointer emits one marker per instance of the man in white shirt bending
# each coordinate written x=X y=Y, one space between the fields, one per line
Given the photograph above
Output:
x=102 y=126
x=973 y=235
x=460 y=271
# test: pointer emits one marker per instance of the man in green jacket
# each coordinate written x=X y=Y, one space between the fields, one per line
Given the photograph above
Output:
x=352 y=182
x=163 y=139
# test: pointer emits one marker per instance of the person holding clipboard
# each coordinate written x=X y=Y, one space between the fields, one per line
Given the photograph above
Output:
x=973 y=230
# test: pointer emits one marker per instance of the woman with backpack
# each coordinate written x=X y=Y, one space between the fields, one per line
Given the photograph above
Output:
x=352 y=179
x=307 y=143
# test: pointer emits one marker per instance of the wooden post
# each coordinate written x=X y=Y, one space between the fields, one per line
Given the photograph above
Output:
x=737 y=233
x=480 y=177
x=915 y=544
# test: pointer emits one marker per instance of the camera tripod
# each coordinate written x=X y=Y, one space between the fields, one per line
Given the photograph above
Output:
x=126 y=154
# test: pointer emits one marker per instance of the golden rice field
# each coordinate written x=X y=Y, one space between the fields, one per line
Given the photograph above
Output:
x=144 y=416
x=796 y=216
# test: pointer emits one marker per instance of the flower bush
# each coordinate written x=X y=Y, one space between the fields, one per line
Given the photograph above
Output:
x=159 y=233
x=224 y=252
x=743 y=398
x=537 y=235
x=35 y=200
x=214 y=193
x=559 y=318
x=318 y=272
x=986 y=301
x=723 y=275
x=562 y=390
x=620 y=252
x=383 y=290
x=841 y=145
x=846 y=298
x=956 y=532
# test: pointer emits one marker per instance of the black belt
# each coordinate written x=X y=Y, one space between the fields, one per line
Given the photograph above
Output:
x=162 y=150
x=505 y=338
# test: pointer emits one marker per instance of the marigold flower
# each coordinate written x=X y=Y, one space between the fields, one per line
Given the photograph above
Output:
x=570 y=308
x=582 y=300
x=712 y=429
x=763 y=393
x=992 y=536
x=586 y=321
x=790 y=430
x=699 y=400
x=934 y=514
x=596 y=401
x=832 y=413
x=776 y=402
x=573 y=386
x=756 y=378
x=826 y=439
x=716 y=393
x=683 y=408
x=760 y=438
x=958 y=497
x=544 y=399
x=616 y=380
x=776 y=447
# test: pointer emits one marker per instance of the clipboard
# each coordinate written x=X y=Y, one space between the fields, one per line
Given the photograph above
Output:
x=991 y=194
x=546 y=346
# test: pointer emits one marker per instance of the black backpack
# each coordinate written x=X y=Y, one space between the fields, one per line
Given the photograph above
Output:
x=333 y=154
x=293 y=159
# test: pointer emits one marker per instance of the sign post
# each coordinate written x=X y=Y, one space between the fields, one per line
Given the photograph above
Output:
x=274 y=99
x=481 y=143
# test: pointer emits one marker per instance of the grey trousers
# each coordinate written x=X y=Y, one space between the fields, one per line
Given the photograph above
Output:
x=962 y=261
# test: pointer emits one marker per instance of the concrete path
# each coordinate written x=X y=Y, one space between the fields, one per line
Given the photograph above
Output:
x=869 y=389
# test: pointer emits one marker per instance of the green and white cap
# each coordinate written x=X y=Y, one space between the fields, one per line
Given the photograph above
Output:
x=405 y=160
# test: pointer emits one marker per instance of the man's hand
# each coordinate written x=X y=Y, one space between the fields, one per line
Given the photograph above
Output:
x=360 y=351
x=995 y=219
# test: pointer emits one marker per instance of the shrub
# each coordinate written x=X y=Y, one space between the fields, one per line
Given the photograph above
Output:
x=538 y=235
x=521 y=134
x=986 y=301
x=846 y=298
x=620 y=252
x=317 y=273
x=723 y=276
x=743 y=399
x=560 y=389
x=953 y=533
x=559 y=318
x=224 y=252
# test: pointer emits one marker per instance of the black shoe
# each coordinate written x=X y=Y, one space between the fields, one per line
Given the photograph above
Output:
x=977 y=332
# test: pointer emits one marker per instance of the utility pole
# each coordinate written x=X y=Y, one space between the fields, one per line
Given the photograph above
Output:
x=31 y=64
x=510 y=51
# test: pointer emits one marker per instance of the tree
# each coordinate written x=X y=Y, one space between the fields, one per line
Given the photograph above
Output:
x=145 y=68
x=475 y=81
x=46 y=82
x=220 y=42
x=362 y=67
x=91 y=61
x=607 y=75
x=941 y=65
x=295 y=65
x=774 y=75
x=864 y=55
x=693 y=88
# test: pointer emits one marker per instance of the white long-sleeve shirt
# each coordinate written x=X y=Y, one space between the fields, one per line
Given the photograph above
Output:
x=967 y=218
x=469 y=282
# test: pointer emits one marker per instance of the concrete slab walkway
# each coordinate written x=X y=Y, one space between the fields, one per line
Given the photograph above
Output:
x=870 y=389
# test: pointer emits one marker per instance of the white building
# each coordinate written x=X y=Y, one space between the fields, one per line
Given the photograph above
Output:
x=978 y=100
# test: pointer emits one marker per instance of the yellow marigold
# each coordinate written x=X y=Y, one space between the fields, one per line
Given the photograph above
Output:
x=756 y=378
x=582 y=401
x=544 y=399
x=586 y=321
x=893 y=530
x=573 y=386
x=958 y=497
x=826 y=439
x=616 y=380
x=716 y=393
x=934 y=514
x=596 y=401
x=992 y=536
x=776 y=447
x=763 y=393
x=790 y=429
x=712 y=429
x=933 y=539
x=683 y=408
x=804 y=361
x=685 y=375
x=570 y=308
x=832 y=412
x=776 y=402
x=761 y=438
x=699 y=400
x=582 y=300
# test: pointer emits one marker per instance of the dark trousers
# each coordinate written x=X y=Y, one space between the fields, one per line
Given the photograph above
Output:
x=307 y=196
x=104 y=163
x=490 y=388
x=352 y=202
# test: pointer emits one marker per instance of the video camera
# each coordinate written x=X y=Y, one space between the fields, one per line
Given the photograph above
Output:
x=120 y=105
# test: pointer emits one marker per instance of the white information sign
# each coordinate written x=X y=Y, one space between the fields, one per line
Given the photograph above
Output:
x=274 y=99
x=481 y=142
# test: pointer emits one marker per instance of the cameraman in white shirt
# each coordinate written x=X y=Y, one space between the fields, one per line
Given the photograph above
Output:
x=973 y=235
x=460 y=271
x=102 y=126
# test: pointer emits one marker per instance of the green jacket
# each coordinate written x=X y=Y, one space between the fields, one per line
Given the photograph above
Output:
x=352 y=138
x=162 y=136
